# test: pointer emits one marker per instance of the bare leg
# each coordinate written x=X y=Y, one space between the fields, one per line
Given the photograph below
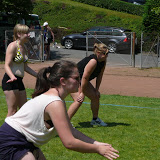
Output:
x=15 y=99
x=28 y=156
x=48 y=51
x=74 y=106
x=90 y=92
x=39 y=155
x=36 y=155
x=22 y=99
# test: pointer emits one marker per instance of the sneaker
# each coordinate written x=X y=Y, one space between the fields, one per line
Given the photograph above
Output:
x=98 y=122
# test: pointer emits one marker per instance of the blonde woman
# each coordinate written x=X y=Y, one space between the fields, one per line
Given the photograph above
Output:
x=15 y=66
x=89 y=68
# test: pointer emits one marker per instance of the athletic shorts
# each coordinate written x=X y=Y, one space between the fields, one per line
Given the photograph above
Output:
x=18 y=84
x=48 y=42
x=13 y=145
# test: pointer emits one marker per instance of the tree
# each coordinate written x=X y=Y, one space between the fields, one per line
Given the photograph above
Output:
x=156 y=10
x=151 y=19
x=22 y=7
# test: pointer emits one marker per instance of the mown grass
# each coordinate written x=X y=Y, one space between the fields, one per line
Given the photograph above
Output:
x=133 y=127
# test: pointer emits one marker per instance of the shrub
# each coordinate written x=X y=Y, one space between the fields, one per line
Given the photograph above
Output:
x=116 y=5
x=151 y=20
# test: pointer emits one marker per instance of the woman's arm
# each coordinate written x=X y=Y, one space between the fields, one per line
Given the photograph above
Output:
x=51 y=32
x=58 y=114
x=29 y=70
x=10 y=54
x=69 y=136
x=88 y=70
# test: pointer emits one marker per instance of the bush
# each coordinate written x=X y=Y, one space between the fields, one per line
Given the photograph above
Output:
x=151 y=20
x=116 y=5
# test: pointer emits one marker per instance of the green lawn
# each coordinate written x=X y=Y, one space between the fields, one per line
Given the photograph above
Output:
x=132 y=128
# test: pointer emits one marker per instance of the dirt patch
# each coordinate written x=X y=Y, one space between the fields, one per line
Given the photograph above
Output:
x=116 y=80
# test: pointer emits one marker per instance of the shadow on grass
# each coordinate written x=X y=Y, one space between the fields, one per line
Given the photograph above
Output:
x=110 y=124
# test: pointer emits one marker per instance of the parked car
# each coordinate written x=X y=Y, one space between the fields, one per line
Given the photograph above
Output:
x=117 y=39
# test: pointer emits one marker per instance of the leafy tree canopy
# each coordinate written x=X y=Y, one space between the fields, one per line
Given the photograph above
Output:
x=22 y=7
x=151 y=19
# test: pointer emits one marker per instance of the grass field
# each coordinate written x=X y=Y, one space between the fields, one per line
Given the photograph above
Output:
x=133 y=128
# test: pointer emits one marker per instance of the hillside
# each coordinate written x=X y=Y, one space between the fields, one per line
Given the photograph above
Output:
x=78 y=17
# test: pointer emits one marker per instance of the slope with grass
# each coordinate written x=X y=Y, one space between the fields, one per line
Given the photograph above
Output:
x=78 y=17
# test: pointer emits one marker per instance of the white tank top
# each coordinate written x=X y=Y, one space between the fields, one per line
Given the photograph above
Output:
x=29 y=120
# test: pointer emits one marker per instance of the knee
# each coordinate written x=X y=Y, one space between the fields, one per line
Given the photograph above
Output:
x=95 y=97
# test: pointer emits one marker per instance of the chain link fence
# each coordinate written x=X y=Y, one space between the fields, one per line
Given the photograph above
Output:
x=120 y=44
x=149 y=51
x=122 y=50
x=34 y=47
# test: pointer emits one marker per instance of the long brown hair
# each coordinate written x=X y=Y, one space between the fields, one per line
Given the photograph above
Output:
x=50 y=77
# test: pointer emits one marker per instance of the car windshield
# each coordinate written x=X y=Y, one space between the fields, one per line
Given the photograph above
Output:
x=93 y=29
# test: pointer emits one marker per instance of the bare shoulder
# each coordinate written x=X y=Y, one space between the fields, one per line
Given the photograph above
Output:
x=92 y=63
x=12 y=45
x=49 y=28
x=12 y=48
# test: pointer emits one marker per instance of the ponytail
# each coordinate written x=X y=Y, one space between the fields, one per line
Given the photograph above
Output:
x=42 y=83
x=50 y=77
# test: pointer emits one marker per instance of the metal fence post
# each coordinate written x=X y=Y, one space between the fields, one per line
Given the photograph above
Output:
x=133 y=49
x=158 y=51
x=141 y=50
x=42 y=35
x=87 y=44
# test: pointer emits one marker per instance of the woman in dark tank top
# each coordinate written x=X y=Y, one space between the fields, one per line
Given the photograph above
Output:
x=89 y=68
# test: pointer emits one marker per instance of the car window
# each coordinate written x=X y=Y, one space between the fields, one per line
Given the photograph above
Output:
x=116 y=32
x=93 y=29
x=105 y=31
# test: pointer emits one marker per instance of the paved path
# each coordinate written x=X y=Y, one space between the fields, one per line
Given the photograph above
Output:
x=116 y=80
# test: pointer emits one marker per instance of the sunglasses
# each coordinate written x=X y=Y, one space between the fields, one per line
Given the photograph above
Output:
x=103 y=52
x=76 y=78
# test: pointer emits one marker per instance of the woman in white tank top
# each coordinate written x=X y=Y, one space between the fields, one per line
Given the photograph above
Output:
x=44 y=116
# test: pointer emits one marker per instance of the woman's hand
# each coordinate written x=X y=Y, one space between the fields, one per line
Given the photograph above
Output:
x=108 y=152
x=12 y=79
x=80 y=98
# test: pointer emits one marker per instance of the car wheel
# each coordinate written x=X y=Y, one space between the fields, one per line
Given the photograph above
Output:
x=112 y=47
x=68 y=43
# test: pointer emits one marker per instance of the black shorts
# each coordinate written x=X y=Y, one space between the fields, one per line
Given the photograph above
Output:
x=48 y=42
x=18 y=84
x=13 y=145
